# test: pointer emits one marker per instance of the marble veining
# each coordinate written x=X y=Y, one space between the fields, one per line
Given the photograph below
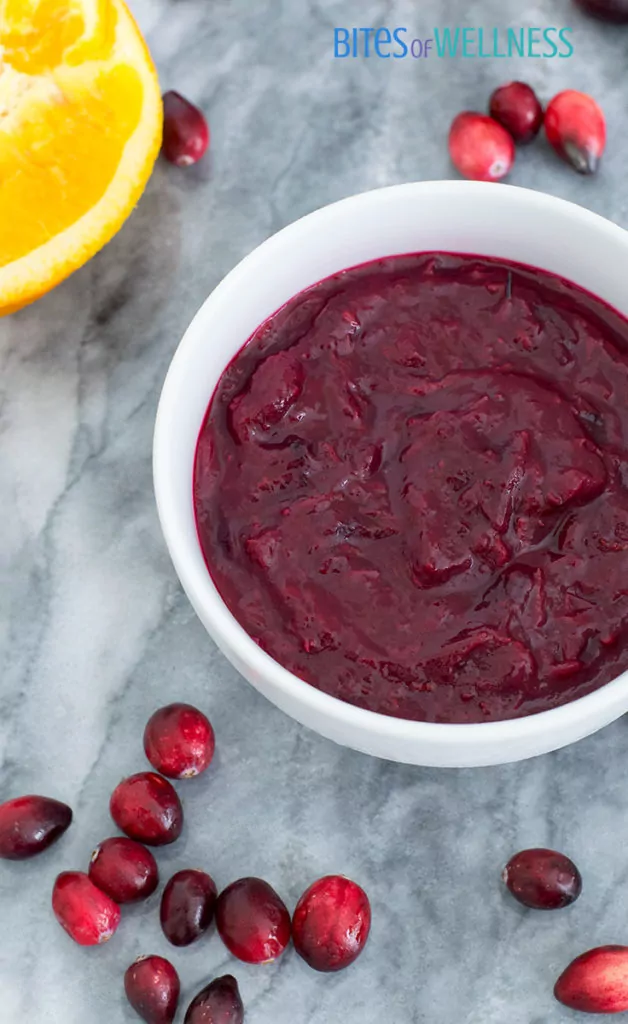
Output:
x=95 y=632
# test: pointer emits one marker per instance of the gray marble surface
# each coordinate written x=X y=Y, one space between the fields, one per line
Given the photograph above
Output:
x=96 y=633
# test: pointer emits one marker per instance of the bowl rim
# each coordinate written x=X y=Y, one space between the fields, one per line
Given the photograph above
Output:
x=199 y=586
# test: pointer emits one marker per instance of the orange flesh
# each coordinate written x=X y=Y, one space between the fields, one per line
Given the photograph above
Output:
x=80 y=125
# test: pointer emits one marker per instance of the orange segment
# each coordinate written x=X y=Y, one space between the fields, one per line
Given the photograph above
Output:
x=80 y=128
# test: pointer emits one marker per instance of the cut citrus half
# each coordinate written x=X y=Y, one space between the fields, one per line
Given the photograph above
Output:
x=80 y=128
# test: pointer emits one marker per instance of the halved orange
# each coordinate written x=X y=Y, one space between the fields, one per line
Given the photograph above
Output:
x=80 y=128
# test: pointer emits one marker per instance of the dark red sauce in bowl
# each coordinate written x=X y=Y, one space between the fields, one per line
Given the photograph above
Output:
x=411 y=488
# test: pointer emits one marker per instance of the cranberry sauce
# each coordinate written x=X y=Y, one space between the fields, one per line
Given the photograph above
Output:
x=411 y=488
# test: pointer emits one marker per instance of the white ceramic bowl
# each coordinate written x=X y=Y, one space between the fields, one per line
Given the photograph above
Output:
x=467 y=217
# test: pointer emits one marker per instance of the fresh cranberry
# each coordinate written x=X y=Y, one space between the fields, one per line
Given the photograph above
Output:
x=88 y=915
x=187 y=906
x=179 y=741
x=186 y=132
x=30 y=824
x=147 y=808
x=575 y=127
x=217 y=1003
x=543 y=879
x=253 y=922
x=152 y=987
x=517 y=108
x=480 y=148
x=607 y=10
x=596 y=982
x=124 y=869
x=331 y=923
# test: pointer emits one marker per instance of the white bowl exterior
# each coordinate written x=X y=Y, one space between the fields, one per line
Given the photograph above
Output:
x=466 y=217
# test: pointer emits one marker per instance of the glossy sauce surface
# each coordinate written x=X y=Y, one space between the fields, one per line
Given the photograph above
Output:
x=411 y=488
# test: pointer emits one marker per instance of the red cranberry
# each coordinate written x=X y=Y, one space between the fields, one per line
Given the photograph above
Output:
x=543 y=879
x=124 y=869
x=147 y=808
x=596 y=982
x=88 y=915
x=480 y=148
x=179 y=741
x=187 y=906
x=517 y=108
x=186 y=133
x=575 y=127
x=218 y=1003
x=152 y=987
x=253 y=922
x=331 y=923
x=30 y=824
x=607 y=10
